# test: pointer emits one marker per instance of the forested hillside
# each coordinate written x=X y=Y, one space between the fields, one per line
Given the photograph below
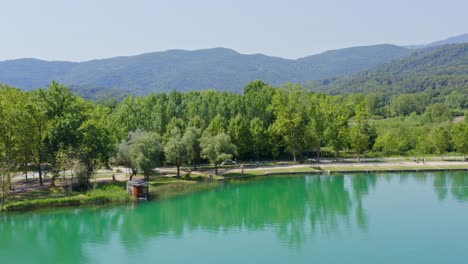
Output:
x=440 y=70
x=219 y=68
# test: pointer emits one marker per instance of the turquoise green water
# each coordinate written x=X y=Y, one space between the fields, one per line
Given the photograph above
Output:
x=386 y=218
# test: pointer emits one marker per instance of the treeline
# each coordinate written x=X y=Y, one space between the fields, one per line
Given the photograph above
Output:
x=53 y=129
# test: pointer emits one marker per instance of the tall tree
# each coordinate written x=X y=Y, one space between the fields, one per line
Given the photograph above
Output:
x=440 y=138
x=259 y=136
x=238 y=130
x=147 y=151
x=336 y=131
x=12 y=128
x=360 y=131
x=460 y=138
x=317 y=122
x=191 y=141
x=288 y=107
x=175 y=150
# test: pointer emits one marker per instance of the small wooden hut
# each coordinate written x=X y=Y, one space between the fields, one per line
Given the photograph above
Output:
x=138 y=189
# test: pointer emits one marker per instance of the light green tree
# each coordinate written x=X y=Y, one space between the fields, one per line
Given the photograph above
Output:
x=191 y=141
x=460 y=138
x=336 y=131
x=318 y=122
x=238 y=131
x=175 y=149
x=216 y=149
x=259 y=136
x=360 y=132
x=440 y=138
x=290 y=124
x=146 y=150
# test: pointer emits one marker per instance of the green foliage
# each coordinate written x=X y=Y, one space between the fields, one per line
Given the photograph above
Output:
x=176 y=150
x=259 y=136
x=146 y=150
x=360 y=132
x=440 y=138
x=289 y=108
x=191 y=141
x=217 y=148
x=460 y=137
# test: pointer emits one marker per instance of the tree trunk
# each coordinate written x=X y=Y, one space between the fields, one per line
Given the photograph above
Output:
x=317 y=153
x=134 y=173
x=3 y=190
x=40 y=176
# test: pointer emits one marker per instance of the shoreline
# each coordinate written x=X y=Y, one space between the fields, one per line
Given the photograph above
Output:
x=167 y=187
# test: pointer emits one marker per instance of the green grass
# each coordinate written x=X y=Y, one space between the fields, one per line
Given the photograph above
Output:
x=109 y=193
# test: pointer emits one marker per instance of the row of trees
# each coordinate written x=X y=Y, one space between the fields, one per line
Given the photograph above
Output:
x=54 y=130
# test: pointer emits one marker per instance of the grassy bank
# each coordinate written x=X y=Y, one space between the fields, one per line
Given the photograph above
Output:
x=112 y=193
x=103 y=193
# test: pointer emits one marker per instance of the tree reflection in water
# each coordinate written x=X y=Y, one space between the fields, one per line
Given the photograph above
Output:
x=296 y=209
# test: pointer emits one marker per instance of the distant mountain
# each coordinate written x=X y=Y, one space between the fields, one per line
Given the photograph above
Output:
x=436 y=69
x=453 y=40
x=222 y=69
x=218 y=68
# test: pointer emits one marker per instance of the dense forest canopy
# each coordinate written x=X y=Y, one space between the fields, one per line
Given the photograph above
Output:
x=46 y=129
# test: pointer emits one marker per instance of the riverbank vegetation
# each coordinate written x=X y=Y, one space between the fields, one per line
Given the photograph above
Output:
x=57 y=133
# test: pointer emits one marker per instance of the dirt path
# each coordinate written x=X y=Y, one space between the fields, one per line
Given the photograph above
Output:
x=326 y=165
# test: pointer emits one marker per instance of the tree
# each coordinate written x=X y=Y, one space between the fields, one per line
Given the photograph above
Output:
x=336 y=131
x=217 y=125
x=317 y=122
x=387 y=143
x=191 y=141
x=259 y=136
x=124 y=158
x=238 y=130
x=460 y=138
x=360 y=131
x=217 y=148
x=440 y=138
x=257 y=99
x=39 y=126
x=176 y=150
x=96 y=146
x=65 y=161
x=13 y=126
x=3 y=184
x=147 y=151
x=288 y=106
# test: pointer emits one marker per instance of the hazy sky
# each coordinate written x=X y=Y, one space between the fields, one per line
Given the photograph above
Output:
x=86 y=29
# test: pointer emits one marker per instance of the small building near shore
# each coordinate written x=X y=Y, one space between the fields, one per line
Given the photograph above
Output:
x=138 y=189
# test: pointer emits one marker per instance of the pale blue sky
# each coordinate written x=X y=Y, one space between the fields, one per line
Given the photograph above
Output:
x=86 y=29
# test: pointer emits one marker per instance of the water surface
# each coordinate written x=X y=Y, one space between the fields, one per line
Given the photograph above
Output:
x=384 y=218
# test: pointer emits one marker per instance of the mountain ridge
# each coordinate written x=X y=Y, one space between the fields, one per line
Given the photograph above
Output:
x=215 y=68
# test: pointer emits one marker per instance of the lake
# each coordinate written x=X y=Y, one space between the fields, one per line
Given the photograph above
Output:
x=362 y=218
